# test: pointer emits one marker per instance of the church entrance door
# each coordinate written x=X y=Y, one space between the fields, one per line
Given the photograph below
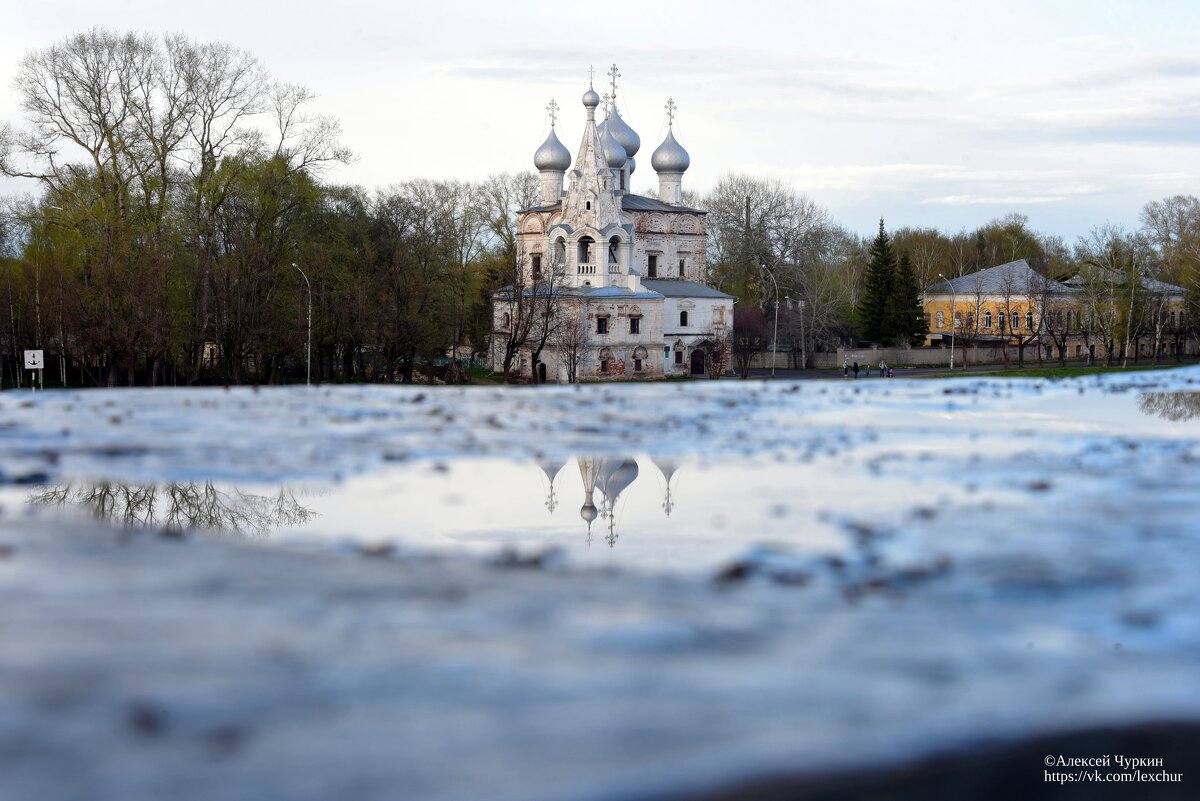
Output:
x=697 y=362
x=541 y=373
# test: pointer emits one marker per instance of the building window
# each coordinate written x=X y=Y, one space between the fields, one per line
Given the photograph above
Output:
x=507 y=321
x=639 y=358
x=941 y=319
x=970 y=320
x=589 y=205
x=1001 y=320
x=537 y=266
x=585 y=250
x=679 y=357
x=652 y=265
x=987 y=319
x=560 y=252
x=1016 y=321
x=613 y=244
x=601 y=325
x=1029 y=320
x=635 y=325
x=958 y=319
x=666 y=352
x=683 y=319
x=681 y=271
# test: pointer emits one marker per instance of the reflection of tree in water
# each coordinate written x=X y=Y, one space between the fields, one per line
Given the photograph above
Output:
x=1174 y=406
x=181 y=506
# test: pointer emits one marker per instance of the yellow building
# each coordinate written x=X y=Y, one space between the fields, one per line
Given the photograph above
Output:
x=1089 y=314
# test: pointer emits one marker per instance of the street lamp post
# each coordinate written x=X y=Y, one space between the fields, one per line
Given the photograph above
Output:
x=952 y=319
x=308 y=347
x=775 y=335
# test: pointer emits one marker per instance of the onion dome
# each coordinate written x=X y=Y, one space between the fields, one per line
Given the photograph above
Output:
x=623 y=133
x=670 y=156
x=614 y=154
x=590 y=98
x=632 y=164
x=552 y=155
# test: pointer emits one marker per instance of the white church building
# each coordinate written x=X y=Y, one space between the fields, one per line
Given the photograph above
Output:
x=626 y=273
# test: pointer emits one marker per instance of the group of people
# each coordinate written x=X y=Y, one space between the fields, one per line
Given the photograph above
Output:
x=884 y=370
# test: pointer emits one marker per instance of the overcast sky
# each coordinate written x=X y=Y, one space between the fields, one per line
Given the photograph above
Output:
x=943 y=114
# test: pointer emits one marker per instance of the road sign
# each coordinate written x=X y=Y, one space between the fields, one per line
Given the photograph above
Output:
x=34 y=360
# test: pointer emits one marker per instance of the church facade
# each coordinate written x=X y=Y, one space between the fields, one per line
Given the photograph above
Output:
x=610 y=285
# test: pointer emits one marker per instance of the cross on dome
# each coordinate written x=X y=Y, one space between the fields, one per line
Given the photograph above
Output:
x=552 y=110
x=613 y=74
x=670 y=107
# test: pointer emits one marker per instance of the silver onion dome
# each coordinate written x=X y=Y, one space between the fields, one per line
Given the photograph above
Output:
x=614 y=154
x=670 y=156
x=623 y=133
x=590 y=98
x=632 y=164
x=552 y=155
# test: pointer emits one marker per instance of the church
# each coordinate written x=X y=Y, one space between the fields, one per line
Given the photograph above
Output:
x=610 y=285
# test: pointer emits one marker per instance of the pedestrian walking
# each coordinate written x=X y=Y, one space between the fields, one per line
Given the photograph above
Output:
x=883 y=368
x=856 y=369
x=845 y=368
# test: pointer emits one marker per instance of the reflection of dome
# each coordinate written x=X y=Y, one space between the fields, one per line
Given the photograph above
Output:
x=617 y=480
x=588 y=511
x=670 y=156
x=552 y=155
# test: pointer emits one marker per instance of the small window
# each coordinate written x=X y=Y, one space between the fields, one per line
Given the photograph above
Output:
x=507 y=320
x=589 y=205
x=635 y=325
x=681 y=271
x=604 y=365
x=1029 y=320
x=637 y=365
x=679 y=357
x=1001 y=320
x=958 y=319
x=537 y=266
x=941 y=319
x=652 y=266
x=1016 y=320
x=683 y=319
x=666 y=352
x=601 y=325
x=987 y=319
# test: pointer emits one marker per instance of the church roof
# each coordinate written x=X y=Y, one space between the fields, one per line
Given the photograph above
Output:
x=629 y=203
x=643 y=203
x=673 y=288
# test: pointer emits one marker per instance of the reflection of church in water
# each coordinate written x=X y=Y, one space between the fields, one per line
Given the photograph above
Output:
x=604 y=479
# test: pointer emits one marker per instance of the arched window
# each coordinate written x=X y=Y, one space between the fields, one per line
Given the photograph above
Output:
x=682 y=271
x=683 y=319
x=507 y=321
x=1016 y=320
x=958 y=319
x=537 y=266
x=613 y=244
x=560 y=252
x=1001 y=320
x=941 y=319
x=606 y=358
x=1029 y=320
x=987 y=319
x=639 y=359
x=585 y=249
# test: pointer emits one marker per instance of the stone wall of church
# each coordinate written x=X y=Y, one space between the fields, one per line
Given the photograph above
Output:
x=615 y=355
x=671 y=238
x=708 y=321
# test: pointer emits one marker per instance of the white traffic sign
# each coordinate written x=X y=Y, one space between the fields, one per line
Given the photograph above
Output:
x=34 y=360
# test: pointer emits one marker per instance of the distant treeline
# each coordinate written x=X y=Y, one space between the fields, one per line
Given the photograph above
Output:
x=181 y=215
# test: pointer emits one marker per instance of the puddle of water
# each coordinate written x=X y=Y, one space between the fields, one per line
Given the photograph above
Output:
x=855 y=460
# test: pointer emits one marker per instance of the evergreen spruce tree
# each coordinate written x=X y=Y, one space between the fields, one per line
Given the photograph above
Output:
x=881 y=272
x=906 y=317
